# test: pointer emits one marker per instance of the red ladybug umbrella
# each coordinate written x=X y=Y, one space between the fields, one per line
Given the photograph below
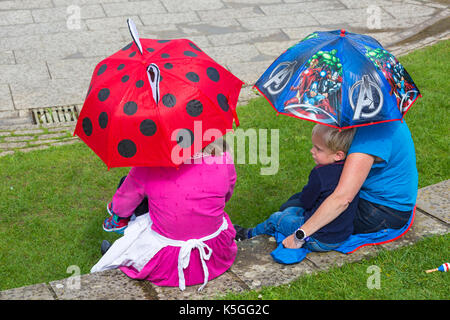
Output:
x=156 y=103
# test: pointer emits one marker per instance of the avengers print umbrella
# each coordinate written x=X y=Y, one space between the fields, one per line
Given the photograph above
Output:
x=156 y=103
x=339 y=79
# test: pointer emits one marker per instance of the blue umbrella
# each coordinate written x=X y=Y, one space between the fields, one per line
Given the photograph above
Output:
x=339 y=79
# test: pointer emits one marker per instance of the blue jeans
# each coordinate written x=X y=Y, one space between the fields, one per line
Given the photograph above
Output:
x=371 y=217
x=287 y=222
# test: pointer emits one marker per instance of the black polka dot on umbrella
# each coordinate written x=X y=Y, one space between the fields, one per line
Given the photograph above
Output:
x=193 y=46
x=139 y=83
x=168 y=65
x=150 y=49
x=165 y=55
x=169 y=100
x=121 y=66
x=213 y=74
x=87 y=126
x=163 y=41
x=131 y=55
x=223 y=102
x=126 y=148
x=148 y=127
x=185 y=138
x=194 y=108
x=102 y=69
x=128 y=46
x=189 y=53
x=192 y=76
x=103 y=94
x=125 y=78
x=130 y=108
x=103 y=120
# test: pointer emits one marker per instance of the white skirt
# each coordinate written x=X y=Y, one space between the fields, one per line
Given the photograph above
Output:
x=140 y=243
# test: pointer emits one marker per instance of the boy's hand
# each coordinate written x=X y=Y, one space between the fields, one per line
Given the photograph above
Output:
x=292 y=242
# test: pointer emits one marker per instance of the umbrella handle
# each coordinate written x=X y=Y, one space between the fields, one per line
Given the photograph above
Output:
x=134 y=34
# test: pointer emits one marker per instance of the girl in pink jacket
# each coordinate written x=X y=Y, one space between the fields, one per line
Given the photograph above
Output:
x=186 y=238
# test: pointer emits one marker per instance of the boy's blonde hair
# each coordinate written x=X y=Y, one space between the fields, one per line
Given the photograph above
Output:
x=335 y=139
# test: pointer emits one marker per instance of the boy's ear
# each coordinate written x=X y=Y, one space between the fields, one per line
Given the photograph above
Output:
x=339 y=155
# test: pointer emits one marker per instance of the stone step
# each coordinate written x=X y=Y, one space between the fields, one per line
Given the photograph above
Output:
x=253 y=268
x=15 y=122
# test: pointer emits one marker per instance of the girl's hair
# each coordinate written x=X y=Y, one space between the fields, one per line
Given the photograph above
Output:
x=217 y=147
x=335 y=139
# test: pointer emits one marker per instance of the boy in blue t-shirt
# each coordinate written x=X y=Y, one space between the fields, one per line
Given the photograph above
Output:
x=330 y=146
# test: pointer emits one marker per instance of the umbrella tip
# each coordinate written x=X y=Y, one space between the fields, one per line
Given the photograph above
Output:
x=342 y=32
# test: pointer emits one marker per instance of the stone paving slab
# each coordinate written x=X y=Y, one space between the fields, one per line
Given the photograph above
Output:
x=39 y=291
x=256 y=268
x=435 y=200
x=106 y=285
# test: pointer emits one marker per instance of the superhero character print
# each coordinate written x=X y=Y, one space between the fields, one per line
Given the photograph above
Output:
x=402 y=86
x=317 y=91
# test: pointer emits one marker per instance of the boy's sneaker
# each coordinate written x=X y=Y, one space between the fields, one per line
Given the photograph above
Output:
x=115 y=224
x=241 y=233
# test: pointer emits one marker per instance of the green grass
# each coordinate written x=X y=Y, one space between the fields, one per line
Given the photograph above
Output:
x=52 y=202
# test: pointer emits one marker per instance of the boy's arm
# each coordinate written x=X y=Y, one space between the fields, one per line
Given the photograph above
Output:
x=356 y=169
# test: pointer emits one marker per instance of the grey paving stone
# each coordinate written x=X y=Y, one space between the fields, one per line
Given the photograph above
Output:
x=435 y=200
x=233 y=53
x=106 y=285
x=34 y=292
x=248 y=72
x=38 y=28
x=6 y=102
x=247 y=37
x=274 y=48
x=59 y=92
x=409 y=11
x=228 y=13
x=423 y=226
x=281 y=21
x=211 y=27
x=192 y=5
x=111 y=23
x=18 y=138
x=294 y=8
x=347 y=16
x=250 y=2
x=63 y=13
x=29 y=149
x=168 y=18
x=7 y=57
x=15 y=17
x=73 y=68
x=326 y=260
x=19 y=73
x=225 y=283
x=357 y=4
x=60 y=3
x=134 y=8
x=25 y=4
x=255 y=266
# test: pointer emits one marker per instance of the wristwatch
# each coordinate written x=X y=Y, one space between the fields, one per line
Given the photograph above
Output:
x=301 y=235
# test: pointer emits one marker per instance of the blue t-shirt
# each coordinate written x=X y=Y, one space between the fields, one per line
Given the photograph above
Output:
x=393 y=181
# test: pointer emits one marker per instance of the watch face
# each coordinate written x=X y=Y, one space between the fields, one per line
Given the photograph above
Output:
x=300 y=234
